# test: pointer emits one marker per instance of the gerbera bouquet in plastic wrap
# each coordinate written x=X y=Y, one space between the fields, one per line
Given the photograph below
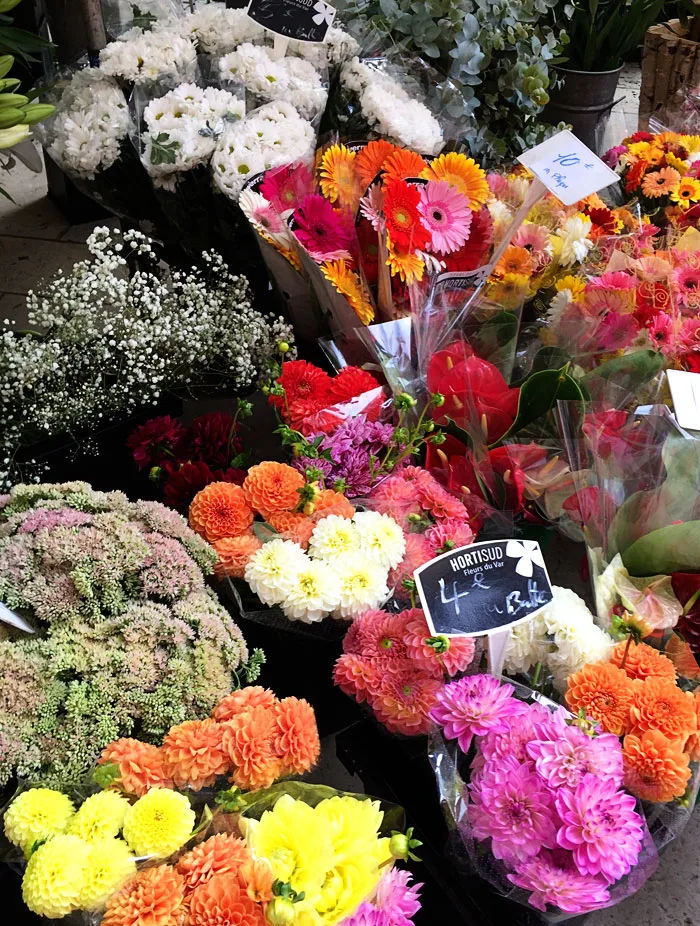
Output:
x=535 y=799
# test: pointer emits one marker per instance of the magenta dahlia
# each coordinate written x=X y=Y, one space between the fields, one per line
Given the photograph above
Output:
x=473 y=706
x=553 y=882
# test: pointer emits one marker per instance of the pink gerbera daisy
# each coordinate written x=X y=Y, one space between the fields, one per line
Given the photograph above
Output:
x=687 y=286
x=261 y=215
x=613 y=279
x=285 y=187
x=446 y=214
x=535 y=239
x=322 y=231
x=371 y=206
x=615 y=332
x=560 y=885
x=661 y=332
x=473 y=706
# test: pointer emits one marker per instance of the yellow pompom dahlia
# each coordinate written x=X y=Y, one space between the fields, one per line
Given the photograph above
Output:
x=159 y=823
x=110 y=865
x=100 y=817
x=36 y=815
x=55 y=875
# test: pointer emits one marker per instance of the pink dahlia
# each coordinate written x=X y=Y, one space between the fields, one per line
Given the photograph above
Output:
x=473 y=706
x=322 y=231
x=446 y=214
x=438 y=501
x=515 y=809
x=397 y=897
x=404 y=698
x=396 y=497
x=563 y=754
x=448 y=534
x=455 y=658
x=601 y=827
x=418 y=552
x=383 y=636
x=514 y=740
x=560 y=885
x=356 y=677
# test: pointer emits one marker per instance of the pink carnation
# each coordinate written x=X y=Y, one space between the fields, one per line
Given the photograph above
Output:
x=553 y=882
x=456 y=658
x=474 y=706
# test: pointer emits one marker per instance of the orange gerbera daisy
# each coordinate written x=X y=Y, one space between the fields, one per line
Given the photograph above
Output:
x=154 y=897
x=659 y=704
x=247 y=739
x=661 y=182
x=258 y=879
x=403 y=164
x=463 y=173
x=194 y=755
x=271 y=487
x=509 y=290
x=296 y=737
x=635 y=174
x=515 y=260
x=655 y=768
x=408 y=267
x=330 y=502
x=293 y=525
x=234 y=553
x=141 y=766
x=642 y=661
x=349 y=284
x=222 y=854
x=370 y=159
x=243 y=701
x=223 y=902
x=605 y=694
x=338 y=179
x=220 y=510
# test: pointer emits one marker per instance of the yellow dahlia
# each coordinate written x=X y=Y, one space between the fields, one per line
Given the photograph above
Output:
x=55 y=876
x=109 y=866
x=159 y=823
x=37 y=815
x=100 y=817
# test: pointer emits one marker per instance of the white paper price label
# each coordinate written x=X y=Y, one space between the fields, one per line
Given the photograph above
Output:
x=568 y=168
x=685 y=392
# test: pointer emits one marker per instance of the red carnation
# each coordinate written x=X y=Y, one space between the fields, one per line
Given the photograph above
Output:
x=182 y=482
x=302 y=382
x=155 y=441
x=211 y=438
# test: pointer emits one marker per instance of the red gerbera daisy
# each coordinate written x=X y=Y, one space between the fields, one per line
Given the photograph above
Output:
x=302 y=382
x=402 y=217
x=475 y=252
x=634 y=175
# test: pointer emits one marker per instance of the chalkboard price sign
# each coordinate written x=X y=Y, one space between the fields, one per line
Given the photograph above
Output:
x=483 y=588
x=303 y=20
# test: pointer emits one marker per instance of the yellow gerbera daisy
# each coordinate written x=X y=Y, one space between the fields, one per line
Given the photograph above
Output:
x=687 y=192
x=462 y=172
x=348 y=284
x=575 y=285
x=509 y=291
x=339 y=182
x=676 y=163
x=691 y=143
x=408 y=267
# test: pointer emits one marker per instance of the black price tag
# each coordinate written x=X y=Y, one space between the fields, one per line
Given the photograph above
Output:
x=303 y=20
x=483 y=588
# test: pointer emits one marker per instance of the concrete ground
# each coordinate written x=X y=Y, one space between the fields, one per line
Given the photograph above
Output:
x=35 y=240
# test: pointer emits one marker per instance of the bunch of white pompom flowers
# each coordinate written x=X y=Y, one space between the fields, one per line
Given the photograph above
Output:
x=344 y=573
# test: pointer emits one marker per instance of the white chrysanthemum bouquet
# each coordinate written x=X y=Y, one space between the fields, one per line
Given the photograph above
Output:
x=139 y=55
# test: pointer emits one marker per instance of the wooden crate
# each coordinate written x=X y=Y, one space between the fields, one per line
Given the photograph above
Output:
x=671 y=61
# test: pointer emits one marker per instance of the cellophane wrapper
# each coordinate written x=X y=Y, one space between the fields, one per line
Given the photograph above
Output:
x=471 y=857
x=121 y=15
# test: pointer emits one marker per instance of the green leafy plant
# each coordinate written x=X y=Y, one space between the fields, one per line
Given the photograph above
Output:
x=499 y=53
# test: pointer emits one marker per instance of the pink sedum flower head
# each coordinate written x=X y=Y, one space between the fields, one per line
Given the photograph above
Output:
x=551 y=881
x=473 y=706
x=601 y=827
x=446 y=214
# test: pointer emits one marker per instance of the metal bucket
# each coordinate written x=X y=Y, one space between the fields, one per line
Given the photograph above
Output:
x=584 y=100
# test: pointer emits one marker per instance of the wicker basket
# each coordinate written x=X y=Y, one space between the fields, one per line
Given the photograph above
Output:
x=670 y=62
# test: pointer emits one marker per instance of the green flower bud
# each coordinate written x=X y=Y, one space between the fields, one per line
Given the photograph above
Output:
x=438 y=399
x=155 y=474
x=36 y=112
x=439 y=437
x=540 y=97
x=283 y=347
x=11 y=116
x=6 y=62
x=281 y=912
x=404 y=401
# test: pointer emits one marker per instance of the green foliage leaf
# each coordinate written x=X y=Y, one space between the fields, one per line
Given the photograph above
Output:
x=540 y=392
x=631 y=371
x=163 y=150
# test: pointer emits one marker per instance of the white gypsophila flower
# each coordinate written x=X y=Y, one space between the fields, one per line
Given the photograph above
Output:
x=363 y=584
x=575 y=241
x=182 y=129
x=559 y=304
x=218 y=30
x=144 y=334
x=313 y=593
x=90 y=124
x=270 y=136
x=138 y=55
x=333 y=537
x=337 y=46
x=526 y=647
x=271 y=570
x=289 y=78
x=381 y=538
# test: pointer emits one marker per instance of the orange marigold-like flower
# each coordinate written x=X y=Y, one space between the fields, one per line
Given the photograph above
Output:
x=272 y=487
x=296 y=738
x=234 y=553
x=329 y=502
x=194 y=755
x=655 y=768
x=141 y=765
x=247 y=739
x=659 y=704
x=242 y=701
x=220 y=510
x=223 y=902
x=153 y=898
x=222 y=854
x=293 y=525
x=258 y=878
x=605 y=693
x=642 y=661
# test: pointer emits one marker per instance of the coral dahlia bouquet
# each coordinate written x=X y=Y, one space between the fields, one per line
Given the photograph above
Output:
x=536 y=798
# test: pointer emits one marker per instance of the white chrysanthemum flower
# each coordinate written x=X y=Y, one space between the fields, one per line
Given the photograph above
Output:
x=363 y=584
x=575 y=241
x=591 y=644
x=138 y=55
x=334 y=536
x=272 y=570
x=218 y=30
x=381 y=538
x=527 y=646
x=313 y=594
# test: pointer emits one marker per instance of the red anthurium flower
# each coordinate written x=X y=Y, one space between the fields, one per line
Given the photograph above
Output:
x=686 y=588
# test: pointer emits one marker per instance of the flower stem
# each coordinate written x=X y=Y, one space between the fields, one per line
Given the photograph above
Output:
x=626 y=652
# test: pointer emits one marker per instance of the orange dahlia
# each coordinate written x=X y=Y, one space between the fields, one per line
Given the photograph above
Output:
x=692 y=747
x=643 y=661
x=462 y=172
x=247 y=739
x=234 y=553
x=655 y=768
x=329 y=502
x=222 y=854
x=193 y=754
x=659 y=704
x=221 y=901
x=296 y=738
x=293 y=525
x=258 y=878
x=220 y=510
x=370 y=159
x=242 y=701
x=272 y=487
x=141 y=765
x=153 y=898
x=605 y=693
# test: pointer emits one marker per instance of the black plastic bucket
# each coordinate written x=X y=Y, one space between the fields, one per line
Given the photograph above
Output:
x=583 y=99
